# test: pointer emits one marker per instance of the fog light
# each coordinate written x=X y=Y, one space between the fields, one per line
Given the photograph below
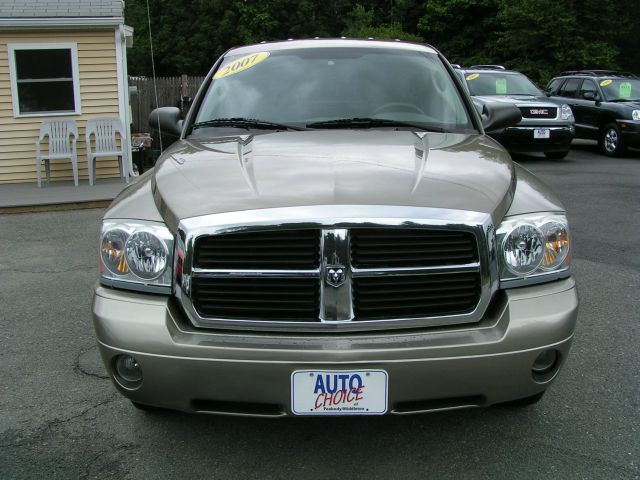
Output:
x=545 y=362
x=128 y=369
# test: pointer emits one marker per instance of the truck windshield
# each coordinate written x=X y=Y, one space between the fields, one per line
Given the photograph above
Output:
x=335 y=87
x=496 y=83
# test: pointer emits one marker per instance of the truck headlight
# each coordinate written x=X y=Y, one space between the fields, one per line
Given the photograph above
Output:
x=146 y=254
x=635 y=114
x=523 y=249
x=136 y=255
x=565 y=112
x=534 y=248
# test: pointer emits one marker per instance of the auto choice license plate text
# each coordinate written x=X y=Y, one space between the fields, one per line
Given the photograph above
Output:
x=339 y=392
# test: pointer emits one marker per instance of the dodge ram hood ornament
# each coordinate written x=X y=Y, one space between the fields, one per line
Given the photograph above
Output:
x=335 y=275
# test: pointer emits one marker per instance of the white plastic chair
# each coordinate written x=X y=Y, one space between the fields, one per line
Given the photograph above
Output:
x=104 y=130
x=63 y=135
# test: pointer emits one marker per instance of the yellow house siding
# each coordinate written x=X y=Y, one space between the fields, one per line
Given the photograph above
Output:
x=98 y=97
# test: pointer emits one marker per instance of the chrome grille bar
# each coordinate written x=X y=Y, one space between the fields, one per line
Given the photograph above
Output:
x=371 y=272
x=335 y=284
x=202 y=272
x=334 y=225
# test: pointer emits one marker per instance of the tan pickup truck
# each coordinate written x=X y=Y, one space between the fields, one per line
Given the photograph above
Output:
x=333 y=233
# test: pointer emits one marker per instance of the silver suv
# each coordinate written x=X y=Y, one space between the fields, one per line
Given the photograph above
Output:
x=546 y=126
x=334 y=234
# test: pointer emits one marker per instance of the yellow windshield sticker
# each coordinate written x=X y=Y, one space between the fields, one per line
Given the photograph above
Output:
x=604 y=83
x=625 y=90
x=241 y=64
x=501 y=86
x=473 y=76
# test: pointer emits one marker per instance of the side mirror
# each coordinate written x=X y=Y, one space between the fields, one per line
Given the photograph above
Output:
x=167 y=120
x=589 y=96
x=498 y=115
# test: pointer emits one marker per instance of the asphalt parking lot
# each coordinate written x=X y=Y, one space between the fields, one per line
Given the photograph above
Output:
x=61 y=417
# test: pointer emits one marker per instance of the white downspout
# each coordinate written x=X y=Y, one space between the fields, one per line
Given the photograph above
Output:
x=123 y=92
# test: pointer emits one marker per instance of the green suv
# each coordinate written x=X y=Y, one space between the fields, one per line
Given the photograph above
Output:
x=606 y=106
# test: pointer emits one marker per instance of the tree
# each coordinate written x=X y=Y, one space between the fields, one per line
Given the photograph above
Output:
x=360 y=24
x=543 y=37
x=539 y=37
x=463 y=30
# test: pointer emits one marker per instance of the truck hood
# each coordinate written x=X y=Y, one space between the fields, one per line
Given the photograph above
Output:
x=518 y=100
x=204 y=176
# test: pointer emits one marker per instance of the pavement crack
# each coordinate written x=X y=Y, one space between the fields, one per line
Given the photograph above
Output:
x=583 y=456
x=59 y=421
x=79 y=368
x=90 y=374
x=114 y=451
x=51 y=424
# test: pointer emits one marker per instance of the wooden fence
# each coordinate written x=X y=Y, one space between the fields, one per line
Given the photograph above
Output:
x=172 y=92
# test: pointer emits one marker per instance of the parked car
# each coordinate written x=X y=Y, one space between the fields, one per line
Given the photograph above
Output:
x=606 y=105
x=334 y=234
x=545 y=127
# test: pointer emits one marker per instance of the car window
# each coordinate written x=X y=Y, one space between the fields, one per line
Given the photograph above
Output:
x=304 y=86
x=570 y=88
x=620 y=89
x=497 y=83
x=554 y=85
x=588 y=85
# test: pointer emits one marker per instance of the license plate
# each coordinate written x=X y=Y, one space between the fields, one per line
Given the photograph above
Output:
x=541 y=133
x=339 y=392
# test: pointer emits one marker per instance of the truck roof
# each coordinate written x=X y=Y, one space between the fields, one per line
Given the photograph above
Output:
x=330 y=42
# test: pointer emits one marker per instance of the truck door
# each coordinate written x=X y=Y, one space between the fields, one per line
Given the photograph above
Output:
x=586 y=109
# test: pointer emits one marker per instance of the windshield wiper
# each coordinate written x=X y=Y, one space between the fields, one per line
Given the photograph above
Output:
x=371 y=123
x=247 y=123
x=624 y=100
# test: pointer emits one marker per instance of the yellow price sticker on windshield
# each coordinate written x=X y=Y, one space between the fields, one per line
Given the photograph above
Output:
x=473 y=76
x=604 y=83
x=241 y=64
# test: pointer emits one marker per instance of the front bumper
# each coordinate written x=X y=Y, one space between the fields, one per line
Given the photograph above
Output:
x=520 y=139
x=249 y=373
x=630 y=130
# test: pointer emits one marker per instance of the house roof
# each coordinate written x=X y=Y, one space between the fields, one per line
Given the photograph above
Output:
x=33 y=13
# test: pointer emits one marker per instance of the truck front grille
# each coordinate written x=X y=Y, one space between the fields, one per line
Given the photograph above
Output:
x=349 y=276
x=539 y=112
x=279 y=299
x=270 y=249
x=388 y=248
x=411 y=296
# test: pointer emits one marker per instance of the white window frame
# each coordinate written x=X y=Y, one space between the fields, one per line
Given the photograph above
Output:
x=73 y=47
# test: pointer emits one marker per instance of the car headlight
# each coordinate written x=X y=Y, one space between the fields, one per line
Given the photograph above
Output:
x=635 y=114
x=565 y=112
x=136 y=255
x=533 y=248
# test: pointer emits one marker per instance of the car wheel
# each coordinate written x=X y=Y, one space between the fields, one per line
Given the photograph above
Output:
x=556 y=155
x=611 y=140
x=523 y=402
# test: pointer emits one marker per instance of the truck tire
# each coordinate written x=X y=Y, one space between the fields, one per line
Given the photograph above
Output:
x=611 y=140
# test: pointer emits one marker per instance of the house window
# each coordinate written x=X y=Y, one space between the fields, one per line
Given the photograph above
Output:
x=44 y=79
